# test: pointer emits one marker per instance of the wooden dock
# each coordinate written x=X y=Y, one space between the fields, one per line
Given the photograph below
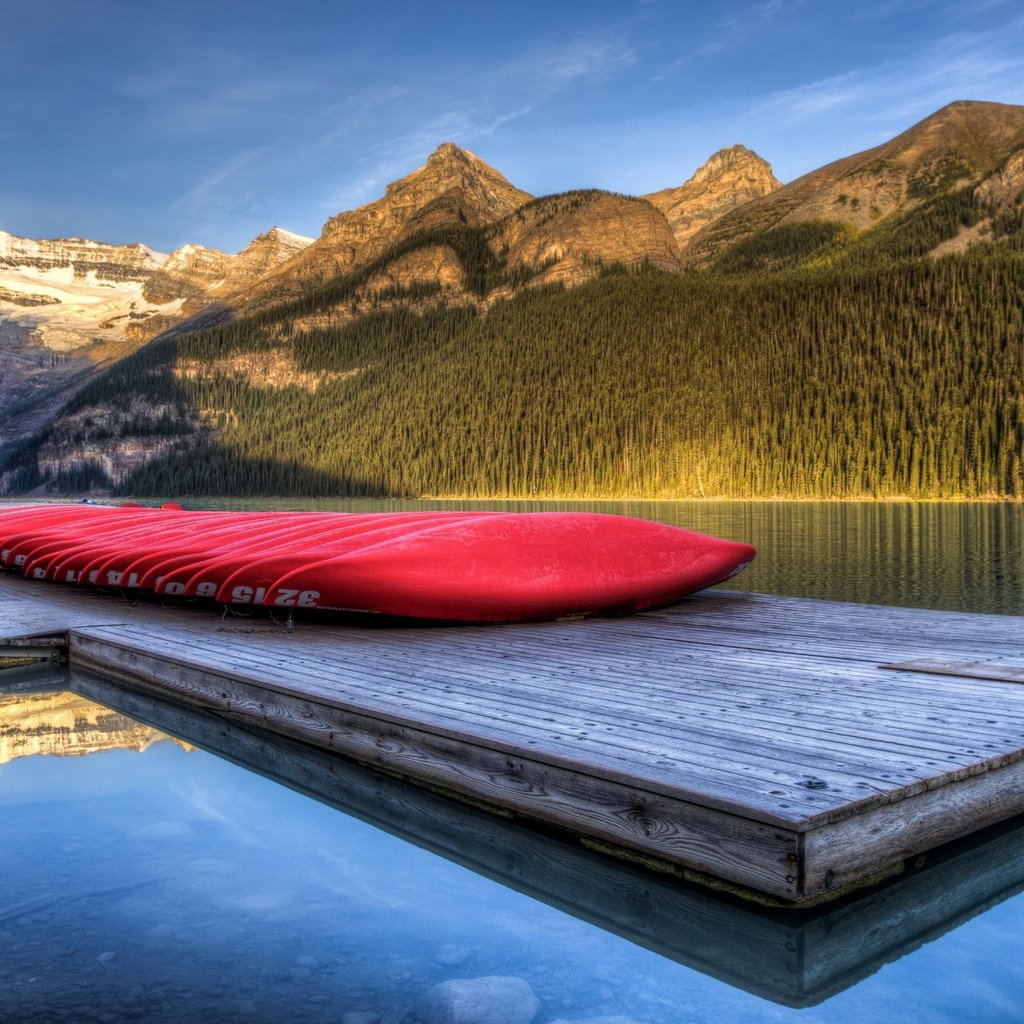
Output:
x=744 y=740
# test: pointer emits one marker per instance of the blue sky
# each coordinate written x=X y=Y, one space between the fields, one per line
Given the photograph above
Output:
x=212 y=121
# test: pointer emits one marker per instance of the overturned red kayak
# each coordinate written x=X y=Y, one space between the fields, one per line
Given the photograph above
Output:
x=447 y=566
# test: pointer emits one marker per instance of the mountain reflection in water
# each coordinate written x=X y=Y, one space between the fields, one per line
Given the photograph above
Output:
x=148 y=886
x=66 y=724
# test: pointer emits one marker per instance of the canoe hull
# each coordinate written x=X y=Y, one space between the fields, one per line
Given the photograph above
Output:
x=454 y=567
x=517 y=568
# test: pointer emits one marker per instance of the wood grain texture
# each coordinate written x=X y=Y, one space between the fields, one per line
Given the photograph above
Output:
x=844 y=851
x=964 y=669
x=755 y=747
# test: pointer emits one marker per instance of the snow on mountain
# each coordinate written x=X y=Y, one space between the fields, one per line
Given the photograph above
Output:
x=67 y=293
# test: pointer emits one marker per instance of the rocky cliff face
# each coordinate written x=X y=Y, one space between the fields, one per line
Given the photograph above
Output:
x=260 y=257
x=730 y=178
x=568 y=238
x=111 y=442
x=66 y=293
x=66 y=724
x=199 y=277
x=452 y=187
x=954 y=146
x=188 y=274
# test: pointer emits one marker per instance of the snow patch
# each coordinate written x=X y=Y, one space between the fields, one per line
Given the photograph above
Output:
x=292 y=239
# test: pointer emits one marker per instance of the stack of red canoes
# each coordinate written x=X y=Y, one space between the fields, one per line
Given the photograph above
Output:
x=456 y=566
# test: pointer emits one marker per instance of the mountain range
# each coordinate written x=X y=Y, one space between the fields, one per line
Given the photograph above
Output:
x=453 y=235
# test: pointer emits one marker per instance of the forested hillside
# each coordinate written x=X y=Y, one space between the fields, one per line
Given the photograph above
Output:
x=836 y=381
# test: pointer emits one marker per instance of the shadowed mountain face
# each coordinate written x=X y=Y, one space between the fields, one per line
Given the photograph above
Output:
x=70 y=307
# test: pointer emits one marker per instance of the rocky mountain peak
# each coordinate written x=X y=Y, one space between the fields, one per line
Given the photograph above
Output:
x=451 y=166
x=964 y=141
x=449 y=152
x=280 y=237
x=736 y=160
x=453 y=186
x=731 y=177
x=191 y=257
x=263 y=254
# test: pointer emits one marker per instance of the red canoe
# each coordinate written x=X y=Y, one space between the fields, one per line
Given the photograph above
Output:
x=511 y=568
x=449 y=566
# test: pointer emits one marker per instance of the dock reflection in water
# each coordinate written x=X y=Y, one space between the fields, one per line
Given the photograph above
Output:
x=144 y=883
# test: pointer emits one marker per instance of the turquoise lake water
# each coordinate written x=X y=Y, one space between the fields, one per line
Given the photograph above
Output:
x=147 y=880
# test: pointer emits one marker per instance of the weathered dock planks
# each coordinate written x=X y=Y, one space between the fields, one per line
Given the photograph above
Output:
x=750 y=738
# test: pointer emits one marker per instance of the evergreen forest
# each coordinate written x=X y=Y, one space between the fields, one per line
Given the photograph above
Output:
x=832 y=377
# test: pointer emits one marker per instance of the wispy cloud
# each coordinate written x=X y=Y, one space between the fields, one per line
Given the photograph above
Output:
x=357 y=111
x=549 y=67
x=813 y=98
x=728 y=35
x=207 y=191
x=208 y=90
x=958 y=66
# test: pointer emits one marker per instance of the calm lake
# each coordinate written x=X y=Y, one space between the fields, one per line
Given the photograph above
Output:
x=159 y=865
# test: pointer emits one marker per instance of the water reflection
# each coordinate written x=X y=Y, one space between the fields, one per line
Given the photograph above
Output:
x=56 y=722
x=957 y=556
x=145 y=886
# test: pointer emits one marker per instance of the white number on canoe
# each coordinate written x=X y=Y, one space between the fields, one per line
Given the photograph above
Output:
x=297 y=598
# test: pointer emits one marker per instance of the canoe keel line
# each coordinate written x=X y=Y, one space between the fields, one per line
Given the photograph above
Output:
x=443 y=566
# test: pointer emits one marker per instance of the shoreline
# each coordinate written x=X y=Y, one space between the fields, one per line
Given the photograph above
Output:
x=477 y=499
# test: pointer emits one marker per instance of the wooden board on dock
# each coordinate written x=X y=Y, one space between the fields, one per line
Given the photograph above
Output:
x=750 y=738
